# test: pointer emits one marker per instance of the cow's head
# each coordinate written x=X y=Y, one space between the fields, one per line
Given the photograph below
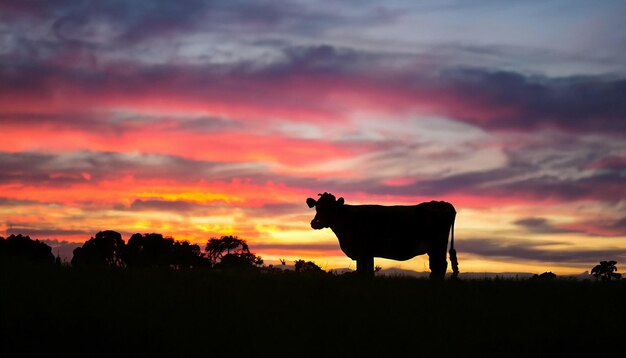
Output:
x=326 y=208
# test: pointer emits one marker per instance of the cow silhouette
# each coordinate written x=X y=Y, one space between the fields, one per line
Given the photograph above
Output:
x=391 y=232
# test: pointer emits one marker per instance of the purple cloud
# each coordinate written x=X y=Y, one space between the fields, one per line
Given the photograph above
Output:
x=67 y=169
x=540 y=225
x=515 y=250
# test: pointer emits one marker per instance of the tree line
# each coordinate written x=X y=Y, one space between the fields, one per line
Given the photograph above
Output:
x=108 y=249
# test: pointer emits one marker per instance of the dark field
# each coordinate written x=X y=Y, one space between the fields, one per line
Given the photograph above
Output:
x=60 y=311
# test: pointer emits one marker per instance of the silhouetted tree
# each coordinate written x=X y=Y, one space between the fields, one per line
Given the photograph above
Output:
x=23 y=248
x=149 y=250
x=106 y=249
x=544 y=276
x=606 y=270
x=302 y=266
x=232 y=253
x=186 y=255
x=239 y=261
x=216 y=248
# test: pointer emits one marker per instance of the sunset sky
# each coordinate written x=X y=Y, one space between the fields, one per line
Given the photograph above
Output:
x=197 y=119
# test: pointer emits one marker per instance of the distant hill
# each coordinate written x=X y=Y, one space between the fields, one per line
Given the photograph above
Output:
x=394 y=271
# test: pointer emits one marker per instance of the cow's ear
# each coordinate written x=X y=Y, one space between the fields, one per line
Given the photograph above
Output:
x=340 y=201
x=310 y=202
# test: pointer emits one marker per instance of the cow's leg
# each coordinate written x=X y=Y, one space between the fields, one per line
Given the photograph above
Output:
x=437 y=262
x=365 y=265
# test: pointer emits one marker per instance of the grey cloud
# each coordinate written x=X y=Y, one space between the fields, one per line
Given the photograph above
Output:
x=88 y=121
x=574 y=104
x=128 y=22
x=526 y=250
x=591 y=103
x=533 y=223
x=81 y=167
x=117 y=124
x=17 y=202
x=619 y=225
x=208 y=124
x=541 y=168
x=602 y=227
x=325 y=58
x=540 y=225
x=602 y=186
x=15 y=230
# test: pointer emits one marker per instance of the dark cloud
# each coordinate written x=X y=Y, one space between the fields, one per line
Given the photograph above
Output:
x=603 y=186
x=611 y=162
x=580 y=104
x=504 y=249
x=619 y=225
x=504 y=182
x=601 y=227
x=188 y=207
x=89 y=32
x=87 y=121
x=540 y=225
x=119 y=22
x=494 y=100
x=29 y=9
x=83 y=167
x=325 y=59
x=113 y=123
x=17 y=202
x=535 y=170
x=17 y=167
x=15 y=230
x=481 y=96
x=207 y=124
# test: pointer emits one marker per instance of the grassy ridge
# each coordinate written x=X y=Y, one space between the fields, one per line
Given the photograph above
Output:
x=61 y=311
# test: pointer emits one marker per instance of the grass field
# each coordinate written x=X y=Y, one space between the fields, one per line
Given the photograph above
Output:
x=60 y=311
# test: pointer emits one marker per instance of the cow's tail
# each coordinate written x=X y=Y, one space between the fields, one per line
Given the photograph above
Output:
x=452 y=252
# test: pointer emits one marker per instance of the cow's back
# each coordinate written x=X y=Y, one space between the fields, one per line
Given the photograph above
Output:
x=393 y=232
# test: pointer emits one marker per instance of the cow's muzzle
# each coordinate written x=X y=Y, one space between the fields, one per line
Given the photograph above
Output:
x=316 y=224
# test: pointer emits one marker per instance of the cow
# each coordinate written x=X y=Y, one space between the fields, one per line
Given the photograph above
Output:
x=391 y=232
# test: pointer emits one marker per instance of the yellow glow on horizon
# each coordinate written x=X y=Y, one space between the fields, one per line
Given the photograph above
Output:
x=193 y=196
x=277 y=235
x=217 y=230
x=109 y=207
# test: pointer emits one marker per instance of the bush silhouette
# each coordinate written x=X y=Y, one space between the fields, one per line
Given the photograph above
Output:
x=230 y=252
x=106 y=249
x=149 y=250
x=544 y=276
x=186 y=255
x=302 y=266
x=23 y=248
x=606 y=270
